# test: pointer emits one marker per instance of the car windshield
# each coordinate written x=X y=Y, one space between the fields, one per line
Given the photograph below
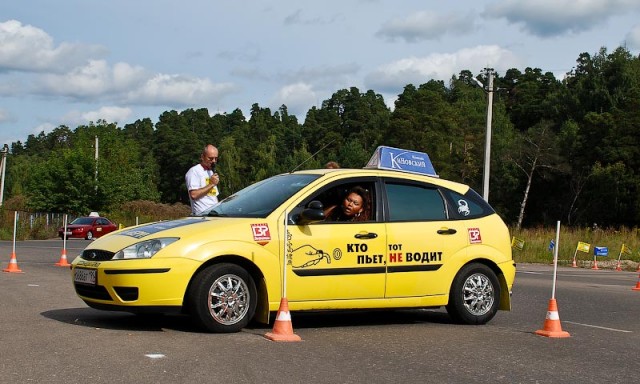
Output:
x=83 y=221
x=261 y=198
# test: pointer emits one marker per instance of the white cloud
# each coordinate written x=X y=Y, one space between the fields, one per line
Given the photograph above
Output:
x=95 y=79
x=298 y=98
x=633 y=38
x=76 y=72
x=124 y=76
x=45 y=127
x=394 y=76
x=133 y=84
x=109 y=114
x=427 y=25
x=179 y=90
x=30 y=49
x=547 y=18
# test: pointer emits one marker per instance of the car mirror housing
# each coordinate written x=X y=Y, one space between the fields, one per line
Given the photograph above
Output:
x=314 y=212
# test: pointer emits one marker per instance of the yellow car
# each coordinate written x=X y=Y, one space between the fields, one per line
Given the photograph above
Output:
x=407 y=240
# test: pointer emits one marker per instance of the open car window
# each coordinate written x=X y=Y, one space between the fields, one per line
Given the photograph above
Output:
x=333 y=196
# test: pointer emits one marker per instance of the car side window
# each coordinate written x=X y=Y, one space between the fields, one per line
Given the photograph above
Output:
x=468 y=206
x=333 y=198
x=408 y=202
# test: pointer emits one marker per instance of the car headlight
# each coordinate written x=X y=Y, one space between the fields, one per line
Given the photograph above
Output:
x=144 y=249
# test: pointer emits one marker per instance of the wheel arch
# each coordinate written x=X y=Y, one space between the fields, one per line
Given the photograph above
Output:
x=262 y=307
x=505 y=294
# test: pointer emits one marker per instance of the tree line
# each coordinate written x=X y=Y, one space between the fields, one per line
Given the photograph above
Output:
x=562 y=149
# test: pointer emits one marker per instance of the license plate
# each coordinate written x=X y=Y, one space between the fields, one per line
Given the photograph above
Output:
x=85 y=276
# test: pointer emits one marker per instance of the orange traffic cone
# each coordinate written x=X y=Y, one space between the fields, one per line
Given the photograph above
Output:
x=282 y=328
x=574 y=265
x=13 y=265
x=63 y=259
x=637 y=287
x=618 y=266
x=595 y=264
x=552 y=326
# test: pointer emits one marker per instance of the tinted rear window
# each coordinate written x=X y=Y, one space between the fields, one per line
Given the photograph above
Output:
x=409 y=202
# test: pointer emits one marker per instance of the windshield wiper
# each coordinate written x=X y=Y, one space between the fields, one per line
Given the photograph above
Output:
x=216 y=213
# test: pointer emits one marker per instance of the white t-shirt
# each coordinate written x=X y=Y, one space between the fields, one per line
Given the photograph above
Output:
x=196 y=178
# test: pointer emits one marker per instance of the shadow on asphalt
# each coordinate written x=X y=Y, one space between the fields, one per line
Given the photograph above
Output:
x=92 y=318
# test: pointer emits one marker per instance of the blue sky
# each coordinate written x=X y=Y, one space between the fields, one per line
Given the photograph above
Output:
x=75 y=61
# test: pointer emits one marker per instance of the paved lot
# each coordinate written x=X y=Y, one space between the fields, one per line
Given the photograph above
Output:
x=48 y=335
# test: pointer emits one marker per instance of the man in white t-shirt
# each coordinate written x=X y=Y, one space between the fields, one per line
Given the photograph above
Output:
x=202 y=182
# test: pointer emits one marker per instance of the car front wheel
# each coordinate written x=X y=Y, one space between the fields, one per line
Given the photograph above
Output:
x=474 y=295
x=222 y=298
x=89 y=236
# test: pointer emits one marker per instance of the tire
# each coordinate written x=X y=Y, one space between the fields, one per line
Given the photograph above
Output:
x=89 y=236
x=475 y=295
x=222 y=298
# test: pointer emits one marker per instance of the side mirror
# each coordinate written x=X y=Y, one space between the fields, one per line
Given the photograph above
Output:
x=313 y=212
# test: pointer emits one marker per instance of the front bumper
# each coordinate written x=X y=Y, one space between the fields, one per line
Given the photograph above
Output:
x=127 y=284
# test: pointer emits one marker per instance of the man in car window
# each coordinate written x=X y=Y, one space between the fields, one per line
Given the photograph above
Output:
x=202 y=182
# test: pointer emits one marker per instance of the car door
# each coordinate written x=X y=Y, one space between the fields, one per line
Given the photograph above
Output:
x=99 y=227
x=337 y=260
x=421 y=240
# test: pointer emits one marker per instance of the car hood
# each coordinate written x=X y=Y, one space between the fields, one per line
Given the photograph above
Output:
x=193 y=231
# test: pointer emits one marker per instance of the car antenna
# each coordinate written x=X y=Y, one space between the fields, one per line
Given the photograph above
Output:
x=312 y=156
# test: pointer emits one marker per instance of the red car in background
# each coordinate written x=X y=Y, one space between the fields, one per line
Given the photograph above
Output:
x=88 y=227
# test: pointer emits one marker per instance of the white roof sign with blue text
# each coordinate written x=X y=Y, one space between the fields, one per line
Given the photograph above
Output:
x=397 y=159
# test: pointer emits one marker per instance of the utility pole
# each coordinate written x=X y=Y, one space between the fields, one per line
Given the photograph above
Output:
x=487 y=147
x=96 y=161
x=487 y=142
x=3 y=167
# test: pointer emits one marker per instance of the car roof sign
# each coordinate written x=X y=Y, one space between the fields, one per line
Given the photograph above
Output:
x=397 y=159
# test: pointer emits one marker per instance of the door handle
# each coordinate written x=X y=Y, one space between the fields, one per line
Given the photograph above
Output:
x=369 y=235
x=446 y=231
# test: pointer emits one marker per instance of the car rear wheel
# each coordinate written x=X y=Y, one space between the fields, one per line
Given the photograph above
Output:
x=89 y=236
x=222 y=298
x=474 y=295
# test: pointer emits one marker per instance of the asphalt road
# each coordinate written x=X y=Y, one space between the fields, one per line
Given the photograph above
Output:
x=48 y=335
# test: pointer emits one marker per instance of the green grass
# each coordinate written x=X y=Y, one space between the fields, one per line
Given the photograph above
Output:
x=536 y=246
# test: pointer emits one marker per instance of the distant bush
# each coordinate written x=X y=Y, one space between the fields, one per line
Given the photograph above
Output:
x=29 y=226
x=146 y=211
x=15 y=203
x=40 y=226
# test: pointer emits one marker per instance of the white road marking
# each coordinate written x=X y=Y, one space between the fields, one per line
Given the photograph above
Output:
x=155 y=355
x=595 y=326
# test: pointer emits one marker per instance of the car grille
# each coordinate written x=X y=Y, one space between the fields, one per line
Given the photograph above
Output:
x=99 y=292
x=94 y=292
x=96 y=255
